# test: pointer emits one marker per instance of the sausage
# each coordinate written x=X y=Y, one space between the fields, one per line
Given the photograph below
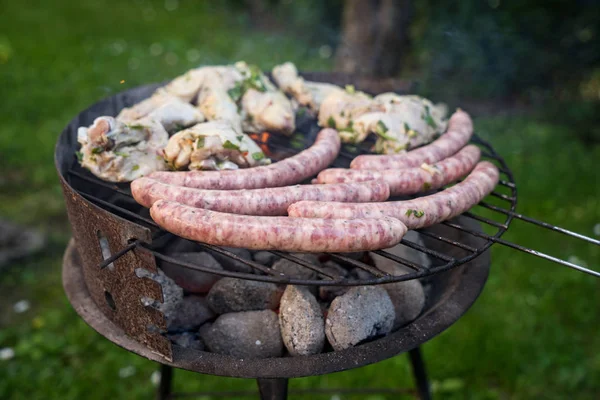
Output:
x=460 y=130
x=411 y=180
x=286 y=172
x=269 y=201
x=417 y=213
x=277 y=233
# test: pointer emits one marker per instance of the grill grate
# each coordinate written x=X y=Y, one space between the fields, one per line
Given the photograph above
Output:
x=117 y=199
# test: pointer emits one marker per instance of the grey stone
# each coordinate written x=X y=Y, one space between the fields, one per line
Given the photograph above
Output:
x=232 y=294
x=191 y=280
x=17 y=242
x=230 y=264
x=301 y=322
x=362 y=313
x=408 y=297
x=248 y=334
x=188 y=340
x=295 y=270
x=189 y=314
x=265 y=258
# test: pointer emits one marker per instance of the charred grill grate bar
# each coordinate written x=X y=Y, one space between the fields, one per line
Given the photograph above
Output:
x=117 y=198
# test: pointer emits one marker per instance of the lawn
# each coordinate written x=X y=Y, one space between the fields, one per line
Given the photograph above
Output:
x=533 y=332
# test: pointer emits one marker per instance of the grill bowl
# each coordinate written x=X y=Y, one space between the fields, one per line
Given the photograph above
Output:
x=109 y=298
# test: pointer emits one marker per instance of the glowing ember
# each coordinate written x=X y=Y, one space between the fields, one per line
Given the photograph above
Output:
x=261 y=139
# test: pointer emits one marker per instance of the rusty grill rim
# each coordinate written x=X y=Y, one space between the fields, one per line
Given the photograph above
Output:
x=467 y=286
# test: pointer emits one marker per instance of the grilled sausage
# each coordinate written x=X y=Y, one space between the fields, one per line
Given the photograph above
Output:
x=417 y=213
x=269 y=201
x=460 y=130
x=277 y=233
x=411 y=180
x=286 y=172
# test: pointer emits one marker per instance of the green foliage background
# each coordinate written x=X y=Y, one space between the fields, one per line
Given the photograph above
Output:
x=532 y=334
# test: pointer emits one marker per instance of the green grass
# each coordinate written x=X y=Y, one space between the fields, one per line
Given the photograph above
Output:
x=533 y=332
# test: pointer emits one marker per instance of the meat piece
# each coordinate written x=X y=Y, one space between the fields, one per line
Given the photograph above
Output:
x=243 y=95
x=417 y=213
x=144 y=107
x=267 y=111
x=176 y=115
x=214 y=145
x=119 y=152
x=270 y=201
x=341 y=108
x=411 y=180
x=460 y=129
x=213 y=98
x=171 y=112
x=186 y=86
x=305 y=93
x=404 y=123
x=289 y=171
x=277 y=233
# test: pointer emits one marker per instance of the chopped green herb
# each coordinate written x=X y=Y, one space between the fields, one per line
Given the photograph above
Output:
x=136 y=126
x=426 y=186
x=97 y=150
x=240 y=138
x=229 y=145
x=253 y=81
x=428 y=118
x=297 y=141
x=79 y=156
x=416 y=213
x=258 y=155
x=135 y=167
x=331 y=122
x=301 y=112
x=179 y=127
x=121 y=154
x=409 y=132
x=200 y=142
x=236 y=92
x=350 y=89
x=399 y=148
x=381 y=129
x=348 y=128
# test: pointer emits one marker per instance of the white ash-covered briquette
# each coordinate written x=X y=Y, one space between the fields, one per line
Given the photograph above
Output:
x=362 y=313
x=233 y=295
x=247 y=334
x=301 y=321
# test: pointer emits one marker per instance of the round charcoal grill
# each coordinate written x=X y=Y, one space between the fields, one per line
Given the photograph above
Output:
x=105 y=290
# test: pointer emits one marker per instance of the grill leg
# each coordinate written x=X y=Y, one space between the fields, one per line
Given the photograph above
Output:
x=418 y=367
x=273 y=389
x=166 y=379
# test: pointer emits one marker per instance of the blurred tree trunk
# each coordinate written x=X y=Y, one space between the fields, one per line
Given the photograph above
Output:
x=374 y=36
